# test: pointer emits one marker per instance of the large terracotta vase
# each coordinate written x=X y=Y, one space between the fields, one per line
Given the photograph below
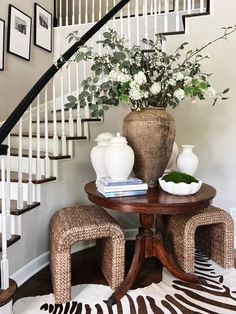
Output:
x=151 y=133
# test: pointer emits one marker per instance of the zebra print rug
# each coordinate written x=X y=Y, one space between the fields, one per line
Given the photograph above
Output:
x=170 y=296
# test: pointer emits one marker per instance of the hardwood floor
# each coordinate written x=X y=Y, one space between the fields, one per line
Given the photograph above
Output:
x=86 y=270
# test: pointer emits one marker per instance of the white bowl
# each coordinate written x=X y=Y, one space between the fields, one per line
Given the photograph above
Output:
x=180 y=188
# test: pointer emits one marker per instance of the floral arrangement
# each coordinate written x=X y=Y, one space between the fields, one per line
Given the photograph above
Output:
x=142 y=77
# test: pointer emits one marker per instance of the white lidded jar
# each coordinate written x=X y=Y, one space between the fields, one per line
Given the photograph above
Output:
x=187 y=161
x=119 y=158
x=97 y=154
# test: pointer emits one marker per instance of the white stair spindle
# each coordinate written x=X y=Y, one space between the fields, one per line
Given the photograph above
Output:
x=4 y=260
x=145 y=8
x=63 y=137
x=71 y=120
x=159 y=6
x=121 y=23
x=86 y=11
x=107 y=6
x=193 y=5
x=155 y=18
x=80 y=11
x=114 y=18
x=129 y=25
x=8 y=188
x=86 y=108
x=46 y=160
x=201 y=6
x=20 y=185
x=38 y=160
x=78 y=120
x=189 y=7
x=137 y=21
x=30 y=184
x=93 y=11
x=177 y=20
x=184 y=5
x=151 y=7
x=166 y=13
x=60 y=13
x=73 y=12
x=55 y=137
x=67 y=13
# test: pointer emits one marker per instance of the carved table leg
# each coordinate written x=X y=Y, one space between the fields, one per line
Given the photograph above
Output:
x=160 y=252
x=137 y=261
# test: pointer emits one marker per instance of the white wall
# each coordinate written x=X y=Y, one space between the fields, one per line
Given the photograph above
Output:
x=19 y=75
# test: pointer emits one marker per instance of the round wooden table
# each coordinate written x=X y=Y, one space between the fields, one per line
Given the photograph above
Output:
x=155 y=203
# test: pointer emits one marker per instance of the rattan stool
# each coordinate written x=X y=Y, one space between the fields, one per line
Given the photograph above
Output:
x=209 y=230
x=70 y=225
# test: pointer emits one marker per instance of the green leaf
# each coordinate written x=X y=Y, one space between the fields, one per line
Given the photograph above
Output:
x=119 y=55
x=72 y=99
x=94 y=114
x=226 y=91
x=107 y=35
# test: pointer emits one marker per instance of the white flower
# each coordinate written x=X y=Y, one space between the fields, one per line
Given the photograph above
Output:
x=179 y=94
x=155 y=88
x=187 y=80
x=178 y=76
x=210 y=92
x=118 y=76
x=145 y=94
x=135 y=94
x=140 y=78
x=133 y=85
x=172 y=82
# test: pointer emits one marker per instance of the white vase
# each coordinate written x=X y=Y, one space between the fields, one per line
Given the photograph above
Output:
x=97 y=154
x=187 y=161
x=119 y=158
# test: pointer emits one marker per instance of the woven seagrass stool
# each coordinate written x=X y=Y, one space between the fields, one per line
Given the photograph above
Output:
x=69 y=225
x=209 y=230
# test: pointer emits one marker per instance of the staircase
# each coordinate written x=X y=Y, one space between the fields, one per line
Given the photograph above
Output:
x=41 y=135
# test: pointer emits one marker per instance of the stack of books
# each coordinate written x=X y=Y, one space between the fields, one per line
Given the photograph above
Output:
x=130 y=187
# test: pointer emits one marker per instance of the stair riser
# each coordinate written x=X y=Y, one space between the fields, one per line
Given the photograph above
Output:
x=59 y=128
x=15 y=224
x=25 y=165
x=25 y=144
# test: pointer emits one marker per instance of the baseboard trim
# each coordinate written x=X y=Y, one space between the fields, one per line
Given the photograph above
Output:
x=37 y=264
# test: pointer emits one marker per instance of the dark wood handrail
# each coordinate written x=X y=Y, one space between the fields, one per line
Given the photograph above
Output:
x=14 y=117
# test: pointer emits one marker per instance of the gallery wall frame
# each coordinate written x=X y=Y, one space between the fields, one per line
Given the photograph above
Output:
x=42 y=28
x=19 y=33
x=2 y=43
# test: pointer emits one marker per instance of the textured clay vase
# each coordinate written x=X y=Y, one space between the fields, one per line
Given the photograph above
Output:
x=187 y=161
x=151 y=134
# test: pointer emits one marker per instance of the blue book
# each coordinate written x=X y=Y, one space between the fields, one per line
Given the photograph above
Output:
x=107 y=181
x=123 y=193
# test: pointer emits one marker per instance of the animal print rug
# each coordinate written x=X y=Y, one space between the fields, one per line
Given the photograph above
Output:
x=170 y=296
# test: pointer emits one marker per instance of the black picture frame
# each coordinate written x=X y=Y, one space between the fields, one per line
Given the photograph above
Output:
x=19 y=33
x=42 y=28
x=2 y=43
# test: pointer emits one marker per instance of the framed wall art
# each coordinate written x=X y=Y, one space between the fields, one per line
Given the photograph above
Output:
x=19 y=33
x=2 y=39
x=42 y=28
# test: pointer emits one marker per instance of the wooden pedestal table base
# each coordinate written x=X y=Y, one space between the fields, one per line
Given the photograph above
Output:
x=148 y=245
x=155 y=202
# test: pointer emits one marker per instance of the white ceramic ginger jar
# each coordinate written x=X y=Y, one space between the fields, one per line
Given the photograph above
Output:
x=97 y=154
x=187 y=161
x=119 y=158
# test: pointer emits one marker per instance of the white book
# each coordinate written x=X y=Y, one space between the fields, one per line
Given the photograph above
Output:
x=117 y=188
x=123 y=193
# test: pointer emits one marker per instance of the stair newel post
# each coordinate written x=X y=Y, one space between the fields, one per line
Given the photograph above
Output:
x=177 y=20
x=4 y=260
x=137 y=20
x=73 y=12
x=8 y=188
x=38 y=160
x=63 y=137
x=60 y=13
x=55 y=137
x=145 y=9
x=78 y=120
x=30 y=184
x=71 y=120
x=47 y=160
x=20 y=185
